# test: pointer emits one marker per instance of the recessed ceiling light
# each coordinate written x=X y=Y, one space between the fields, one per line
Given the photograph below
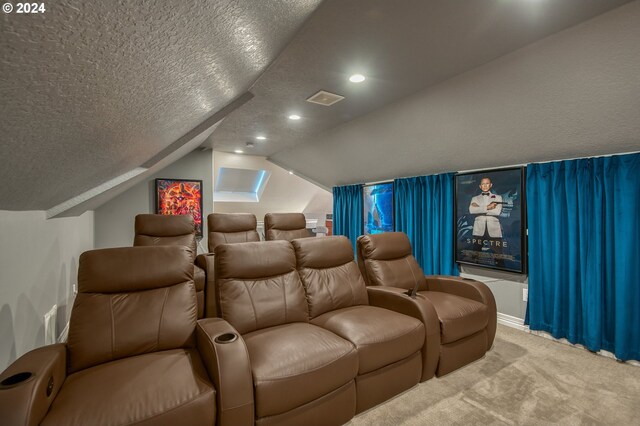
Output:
x=294 y=117
x=238 y=151
x=261 y=138
x=356 y=78
x=290 y=172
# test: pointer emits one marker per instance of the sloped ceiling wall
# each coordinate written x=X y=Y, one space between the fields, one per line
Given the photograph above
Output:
x=573 y=94
x=92 y=90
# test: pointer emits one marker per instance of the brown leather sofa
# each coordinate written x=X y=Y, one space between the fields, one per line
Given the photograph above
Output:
x=162 y=230
x=465 y=308
x=285 y=226
x=130 y=356
x=223 y=228
x=286 y=369
x=388 y=343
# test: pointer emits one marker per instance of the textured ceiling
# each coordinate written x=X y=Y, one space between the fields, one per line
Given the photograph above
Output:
x=401 y=47
x=91 y=90
x=573 y=94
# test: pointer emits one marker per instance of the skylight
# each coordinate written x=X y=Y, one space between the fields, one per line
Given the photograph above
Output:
x=240 y=185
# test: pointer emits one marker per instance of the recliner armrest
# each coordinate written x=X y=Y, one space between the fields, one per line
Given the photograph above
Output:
x=396 y=299
x=26 y=401
x=226 y=359
x=471 y=289
x=207 y=262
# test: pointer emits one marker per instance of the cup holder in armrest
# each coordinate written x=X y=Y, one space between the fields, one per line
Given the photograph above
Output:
x=226 y=338
x=16 y=379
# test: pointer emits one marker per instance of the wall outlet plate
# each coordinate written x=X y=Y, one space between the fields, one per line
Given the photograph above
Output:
x=525 y=294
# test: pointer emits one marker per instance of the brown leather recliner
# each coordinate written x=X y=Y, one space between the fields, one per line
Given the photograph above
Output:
x=130 y=356
x=388 y=343
x=465 y=308
x=285 y=226
x=300 y=373
x=162 y=230
x=223 y=228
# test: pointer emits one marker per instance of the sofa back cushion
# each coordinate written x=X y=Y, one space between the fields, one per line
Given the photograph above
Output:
x=225 y=228
x=285 y=226
x=131 y=301
x=165 y=230
x=386 y=259
x=257 y=285
x=330 y=276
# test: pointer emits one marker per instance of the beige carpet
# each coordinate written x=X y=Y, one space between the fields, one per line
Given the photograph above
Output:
x=523 y=380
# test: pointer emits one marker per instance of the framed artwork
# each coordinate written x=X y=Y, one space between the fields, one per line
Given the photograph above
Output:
x=180 y=196
x=490 y=219
x=377 y=202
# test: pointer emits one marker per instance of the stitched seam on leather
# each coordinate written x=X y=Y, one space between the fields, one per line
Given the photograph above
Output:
x=113 y=327
x=415 y=280
x=325 y=281
x=164 y=302
x=284 y=295
x=394 y=338
x=353 y=349
x=255 y=313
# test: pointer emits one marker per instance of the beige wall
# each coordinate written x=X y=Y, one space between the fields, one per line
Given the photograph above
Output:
x=284 y=193
x=38 y=269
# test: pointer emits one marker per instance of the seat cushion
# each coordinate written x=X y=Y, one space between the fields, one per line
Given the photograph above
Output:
x=168 y=387
x=459 y=317
x=381 y=336
x=294 y=364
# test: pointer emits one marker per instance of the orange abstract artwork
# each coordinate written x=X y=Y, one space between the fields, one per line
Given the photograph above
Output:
x=178 y=197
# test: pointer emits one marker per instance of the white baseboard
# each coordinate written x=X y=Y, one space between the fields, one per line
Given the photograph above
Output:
x=518 y=323
x=513 y=322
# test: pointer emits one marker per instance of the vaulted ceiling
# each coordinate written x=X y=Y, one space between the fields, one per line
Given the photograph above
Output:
x=91 y=91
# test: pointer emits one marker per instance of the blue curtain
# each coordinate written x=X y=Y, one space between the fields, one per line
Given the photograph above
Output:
x=347 y=212
x=584 y=261
x=424 y=211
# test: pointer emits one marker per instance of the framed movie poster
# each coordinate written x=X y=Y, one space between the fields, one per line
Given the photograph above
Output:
x=180 y=196
x=377 y=202
x=490 y=217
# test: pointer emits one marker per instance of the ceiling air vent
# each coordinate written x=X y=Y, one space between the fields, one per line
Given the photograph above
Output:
x=325 y=98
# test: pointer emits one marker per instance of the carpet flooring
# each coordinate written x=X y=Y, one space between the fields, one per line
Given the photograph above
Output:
x=524 y=380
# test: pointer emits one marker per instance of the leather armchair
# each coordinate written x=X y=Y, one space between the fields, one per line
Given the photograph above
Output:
x=300 y=373
x=285 y=226
x=130 y=356
x=223 y=228
x=465 y=309
x=389 y=344
x=162 y=230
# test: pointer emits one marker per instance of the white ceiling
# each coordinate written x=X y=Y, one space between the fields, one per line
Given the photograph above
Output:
x=402 y=47
x=93 y=90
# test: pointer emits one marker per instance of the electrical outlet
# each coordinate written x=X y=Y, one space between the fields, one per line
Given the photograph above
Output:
x=525 y=294
x=50 y=326
x=75 y=289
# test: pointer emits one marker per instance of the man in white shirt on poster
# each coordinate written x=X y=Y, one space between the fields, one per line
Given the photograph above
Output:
x=487 y=207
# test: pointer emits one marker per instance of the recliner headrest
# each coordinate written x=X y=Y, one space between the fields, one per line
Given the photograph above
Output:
x=129 y=269
x=158 y=225
x=254 y=260
x=231 y=222
x=323 y=252
x=284 y=221
x=385 y=246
